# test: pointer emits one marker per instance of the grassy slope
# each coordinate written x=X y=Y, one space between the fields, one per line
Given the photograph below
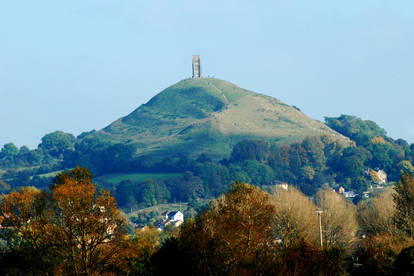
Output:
x=210 y=115
x=135 y=177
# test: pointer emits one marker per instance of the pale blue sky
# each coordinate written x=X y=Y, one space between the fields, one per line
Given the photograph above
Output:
x=79 y=65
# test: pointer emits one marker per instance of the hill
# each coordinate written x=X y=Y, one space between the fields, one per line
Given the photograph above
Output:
x=153 y=155
x=208 y=115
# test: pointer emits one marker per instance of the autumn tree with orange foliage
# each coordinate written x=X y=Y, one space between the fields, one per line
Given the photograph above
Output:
x=85 y=222
x=241 y=234
x=233 y=237
x=72 y=230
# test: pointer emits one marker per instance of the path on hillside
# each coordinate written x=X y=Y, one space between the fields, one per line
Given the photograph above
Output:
x=226 y=101
x=213 y=114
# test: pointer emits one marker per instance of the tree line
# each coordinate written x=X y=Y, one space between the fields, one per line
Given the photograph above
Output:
x=74 y=228
x=308 y=164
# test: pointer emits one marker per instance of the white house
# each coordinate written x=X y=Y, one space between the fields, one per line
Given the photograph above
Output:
x=382 y=176
x=174 y=218
x=349 y=194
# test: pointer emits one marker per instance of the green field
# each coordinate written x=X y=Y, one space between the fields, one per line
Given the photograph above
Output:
x=51 y=174
x=160 y=208
x=134 y=177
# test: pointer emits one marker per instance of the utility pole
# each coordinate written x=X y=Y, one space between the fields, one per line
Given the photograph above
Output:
x=320 y=226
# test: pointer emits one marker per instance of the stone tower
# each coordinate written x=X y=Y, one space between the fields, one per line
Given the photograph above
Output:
x=197 y=73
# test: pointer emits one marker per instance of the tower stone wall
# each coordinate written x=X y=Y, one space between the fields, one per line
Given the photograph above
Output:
x=197 y=73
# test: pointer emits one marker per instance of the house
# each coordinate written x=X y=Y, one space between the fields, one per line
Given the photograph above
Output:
x=283 y=186
x=174 y=218
x=349 y=194
x=382 y=176
x=279 y=184
x=377 y=176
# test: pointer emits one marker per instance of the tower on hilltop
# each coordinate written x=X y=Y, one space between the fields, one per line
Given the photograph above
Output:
x=197 y=73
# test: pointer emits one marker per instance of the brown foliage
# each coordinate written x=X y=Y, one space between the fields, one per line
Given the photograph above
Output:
x=304 y=258
x=73 y=230
x=377 y=140
x=133 y=254
x=239 y=235
x=86 y=222
x=404 y=204
x=234 y=236
x=375 y=216
x=339 y=223
x=295 y=217
x=378 y=253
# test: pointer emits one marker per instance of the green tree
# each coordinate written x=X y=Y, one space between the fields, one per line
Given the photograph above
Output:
x=405 y=166
x=316 y=154
x=185 y=187
x=9 y=151
x=56 y=143
x=148 y=194
x=238 y=174
x=216 y=175
x=126 y=193
x=87 y=153
x=352 y=162
x=259 y=173
x=115 y=157
x=359 y=184
x=382 y=156
x=24 y=150
x=361 y=131
x=250 y=150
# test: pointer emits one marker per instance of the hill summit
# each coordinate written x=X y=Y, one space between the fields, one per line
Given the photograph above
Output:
x=208 y=115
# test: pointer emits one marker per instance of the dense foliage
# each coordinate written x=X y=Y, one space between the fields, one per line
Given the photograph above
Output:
x=75 y=228
x=308 y=164
x=240 y=235
x=72 y=230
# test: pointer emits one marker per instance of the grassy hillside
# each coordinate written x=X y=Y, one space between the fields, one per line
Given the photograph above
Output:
x=208 y=115
x=134 y=177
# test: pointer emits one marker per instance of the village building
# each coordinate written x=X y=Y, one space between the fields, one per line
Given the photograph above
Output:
x=349 y=194
x=173 y=218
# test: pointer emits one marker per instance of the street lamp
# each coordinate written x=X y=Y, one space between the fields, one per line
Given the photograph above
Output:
x=320 y=225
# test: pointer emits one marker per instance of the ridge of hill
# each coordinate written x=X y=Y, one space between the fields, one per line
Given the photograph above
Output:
x=208 y=115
